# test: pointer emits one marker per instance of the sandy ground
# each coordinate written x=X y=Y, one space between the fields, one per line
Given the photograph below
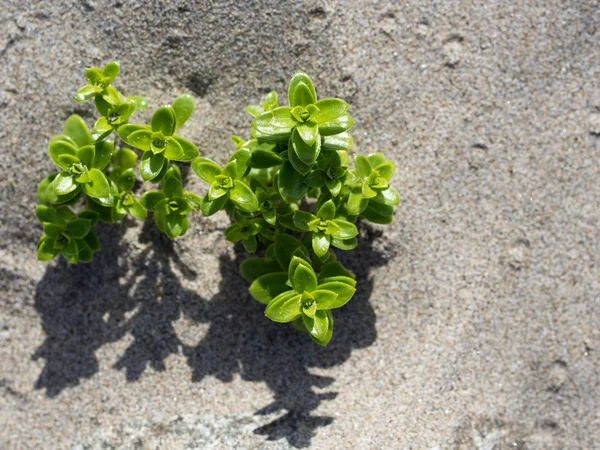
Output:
x=476 y=324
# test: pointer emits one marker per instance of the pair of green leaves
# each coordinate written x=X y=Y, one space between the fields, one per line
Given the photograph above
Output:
x=67 y=233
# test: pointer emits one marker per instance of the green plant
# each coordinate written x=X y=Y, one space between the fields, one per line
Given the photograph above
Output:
x=290 y=191
x=90 y=167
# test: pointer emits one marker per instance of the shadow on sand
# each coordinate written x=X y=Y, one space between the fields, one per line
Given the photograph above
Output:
x=84 y=307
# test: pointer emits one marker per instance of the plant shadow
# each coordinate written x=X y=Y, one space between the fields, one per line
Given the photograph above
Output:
x=84 y=307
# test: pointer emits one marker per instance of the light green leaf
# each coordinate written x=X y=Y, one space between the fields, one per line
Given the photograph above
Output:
x=174 y=225
x=173 y=149
x=164 y=120
x=285 y=307
x=329 y=109
x=262 y=159
x=63 y=184
x=243 y=197
x=151 y=165
x=183 y=106
x=103 y=151
x=317 y=326
x=390 y=196
x=320 y=243
x=266 y=287
x=206 y=169
x=308 y=153
x=210 y=207
x=309 y=132
x=363 y=166
x=57 y=148
x=327 y=210
x=302 y=218
x=85 y=93
x=141 y=139
x=304 y=279
x=324 y=298
x=336 y=126
x=190 y=151
x=346 y=230
x=76 y=129
x=340 y=141
x=291 y=183
x=305 y=96
x=344 y=292
x=111 y=70
x=98 y=186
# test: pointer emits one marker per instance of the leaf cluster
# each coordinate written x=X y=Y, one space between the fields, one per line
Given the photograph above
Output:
x=290 y=190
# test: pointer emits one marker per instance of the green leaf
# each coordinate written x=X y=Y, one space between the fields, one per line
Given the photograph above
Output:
x=320 y=243
x=341 y=141
x=190 y=151
x=230 y=170
x=304 y=279
x=301 y=77
x=336 y=126
x=63 y=184
x=324 y=298
x=253 y=268
x=376 y=159
x=334 y=187
x=76 y=129
x=124 y=159
x=151 y=165
x=329 y=333
x=173 y=149
x=280 y=117
x=250 y=244
x=174 y=225
x=183 y=106
x=297 y=260
x=98 y=186
x=262 y=159
x=46 y=250
x=91 y=239
x=344 y=292
x=329 y=109
x=141 y=139
x=206 y=169
x=386 y=169
x=84 y=252
x=150 y=199
x=363 y=166
x=46 y=214
x=308 y=153
x=285 y=247
x=233 y=233
x=93 y=75
x=210 y=207
x=53 y=230
x=124 y=131
x=139 y=103
x=317 y=326
x=241 y=159
x=378 y=213
x=164 y=120
x=315 y=179
x=111 y=70
x=285 y=307
x=78 y=228
x=172 y=187
x=291 y=183
x=58 y=148
x=346 y=229
x=254 y=110
x=302 y=218
x=300 y=166
x=327 y=210
x=85 y=93
x=46 y=193
x=103 y=151
x=266 y=287
x=243 y=197
x=102 y=129
x=344 y=244
x=85 y=155
x=390 y=196
x=309 y=132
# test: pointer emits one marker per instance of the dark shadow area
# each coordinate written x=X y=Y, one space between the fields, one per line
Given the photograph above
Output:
x=86 y=306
